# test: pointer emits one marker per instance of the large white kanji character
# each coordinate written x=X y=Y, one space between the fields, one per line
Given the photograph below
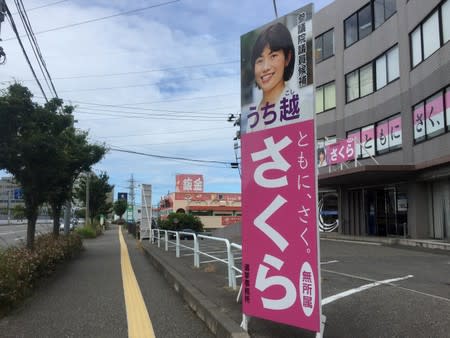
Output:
x=261 y=223
x=263 y=282
x=187 y=183
x=198 y=184
x=278 y=163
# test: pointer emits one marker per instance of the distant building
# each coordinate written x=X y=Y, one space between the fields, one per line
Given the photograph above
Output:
x=10 y=196
x=215 y=210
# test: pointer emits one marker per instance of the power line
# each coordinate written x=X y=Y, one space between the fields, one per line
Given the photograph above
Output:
x=165 y=111
x=101 y=18
x=154 y=102
x=144 y=71
x=173 y=142
x=43 y=6
x=13 y=25
x=35 y=46
x=165 y=133
x=178 y=80
x=168 y=157
x=158 y=117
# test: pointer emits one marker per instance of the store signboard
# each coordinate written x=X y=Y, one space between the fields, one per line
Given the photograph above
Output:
x=281 y=277
x=189 y=183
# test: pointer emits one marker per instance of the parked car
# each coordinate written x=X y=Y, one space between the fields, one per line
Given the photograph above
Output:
x=73 y=223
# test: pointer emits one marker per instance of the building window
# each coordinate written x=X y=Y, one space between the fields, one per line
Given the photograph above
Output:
x=381 y=72
x=324 y=45
x=393 y=67
x=366 y=80
x=356 y=136
x=351 y=30
x=389 y=134
x=387 y=68
x=361 y=82
x=368 y=18
x=447 y=106
x=430 y=31
x=416 y=46
x=352 y=85
x=430 y=34
x=364 y=21
x=368 y=141
x=429 y=117
x=325 y=97
x=445 y=22
x=383 y=10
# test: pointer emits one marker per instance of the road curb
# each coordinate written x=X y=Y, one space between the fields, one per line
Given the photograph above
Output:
x=218 y=322
x=418 y=243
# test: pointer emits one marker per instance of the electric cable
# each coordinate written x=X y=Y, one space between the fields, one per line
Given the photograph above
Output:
x=33 y=37
x=14 y=27
x=168 y=157
x=100 y=18
x=33 y=43
x=43 y=6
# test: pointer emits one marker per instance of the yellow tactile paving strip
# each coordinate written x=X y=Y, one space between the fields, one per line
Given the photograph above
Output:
x=139 y=323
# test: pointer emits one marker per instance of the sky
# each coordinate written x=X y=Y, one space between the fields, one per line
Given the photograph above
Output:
x=161 y=80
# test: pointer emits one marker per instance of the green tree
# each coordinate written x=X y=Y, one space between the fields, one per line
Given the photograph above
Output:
x=40 y=147
x=178 y=221
x=28 y=146
x=99 y=188
x=120 y=206
x=76 y=156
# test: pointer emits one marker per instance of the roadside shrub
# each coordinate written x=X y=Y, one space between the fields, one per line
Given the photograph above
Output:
x=20 y=267
x=86 y=232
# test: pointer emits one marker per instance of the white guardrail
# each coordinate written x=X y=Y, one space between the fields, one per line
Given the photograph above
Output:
x=167 y=236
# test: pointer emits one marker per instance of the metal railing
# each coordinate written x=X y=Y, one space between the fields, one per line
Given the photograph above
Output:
x=158 y=235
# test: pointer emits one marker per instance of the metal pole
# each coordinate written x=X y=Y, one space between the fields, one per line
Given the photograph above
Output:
x=9 y=206
x=86 y=222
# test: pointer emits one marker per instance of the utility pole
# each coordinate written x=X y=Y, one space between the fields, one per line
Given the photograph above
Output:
x=86 y=222
x=2 y=18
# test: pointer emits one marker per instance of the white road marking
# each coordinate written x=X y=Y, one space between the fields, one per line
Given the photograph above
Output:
x=354 y=242
x=11 y=232
x=331 y=299
x=329 y=262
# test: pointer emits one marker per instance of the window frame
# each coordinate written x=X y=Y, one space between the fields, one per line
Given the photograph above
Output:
x=423 y=103
x=390 y=148
x=374 y=74
x=321 y=36
x=322 y=87
x=371 y=5
x=438 y=9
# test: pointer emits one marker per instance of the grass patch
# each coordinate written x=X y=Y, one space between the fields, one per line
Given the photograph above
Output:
x=86 y=232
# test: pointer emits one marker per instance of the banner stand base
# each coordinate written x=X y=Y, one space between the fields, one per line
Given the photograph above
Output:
x=323 y=319
x=244 y=323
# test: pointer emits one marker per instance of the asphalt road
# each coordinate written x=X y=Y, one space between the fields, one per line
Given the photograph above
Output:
x=411 y=298
x=85 y=298
x=16 y=233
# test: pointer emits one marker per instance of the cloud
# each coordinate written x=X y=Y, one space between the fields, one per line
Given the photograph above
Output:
x=178 y=108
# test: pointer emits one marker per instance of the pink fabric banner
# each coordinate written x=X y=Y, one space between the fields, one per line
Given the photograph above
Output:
x=280 y=257
x=341 y=151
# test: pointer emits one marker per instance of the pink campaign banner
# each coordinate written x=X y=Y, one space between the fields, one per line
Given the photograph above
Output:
x=280 y=257
x=341 y=151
